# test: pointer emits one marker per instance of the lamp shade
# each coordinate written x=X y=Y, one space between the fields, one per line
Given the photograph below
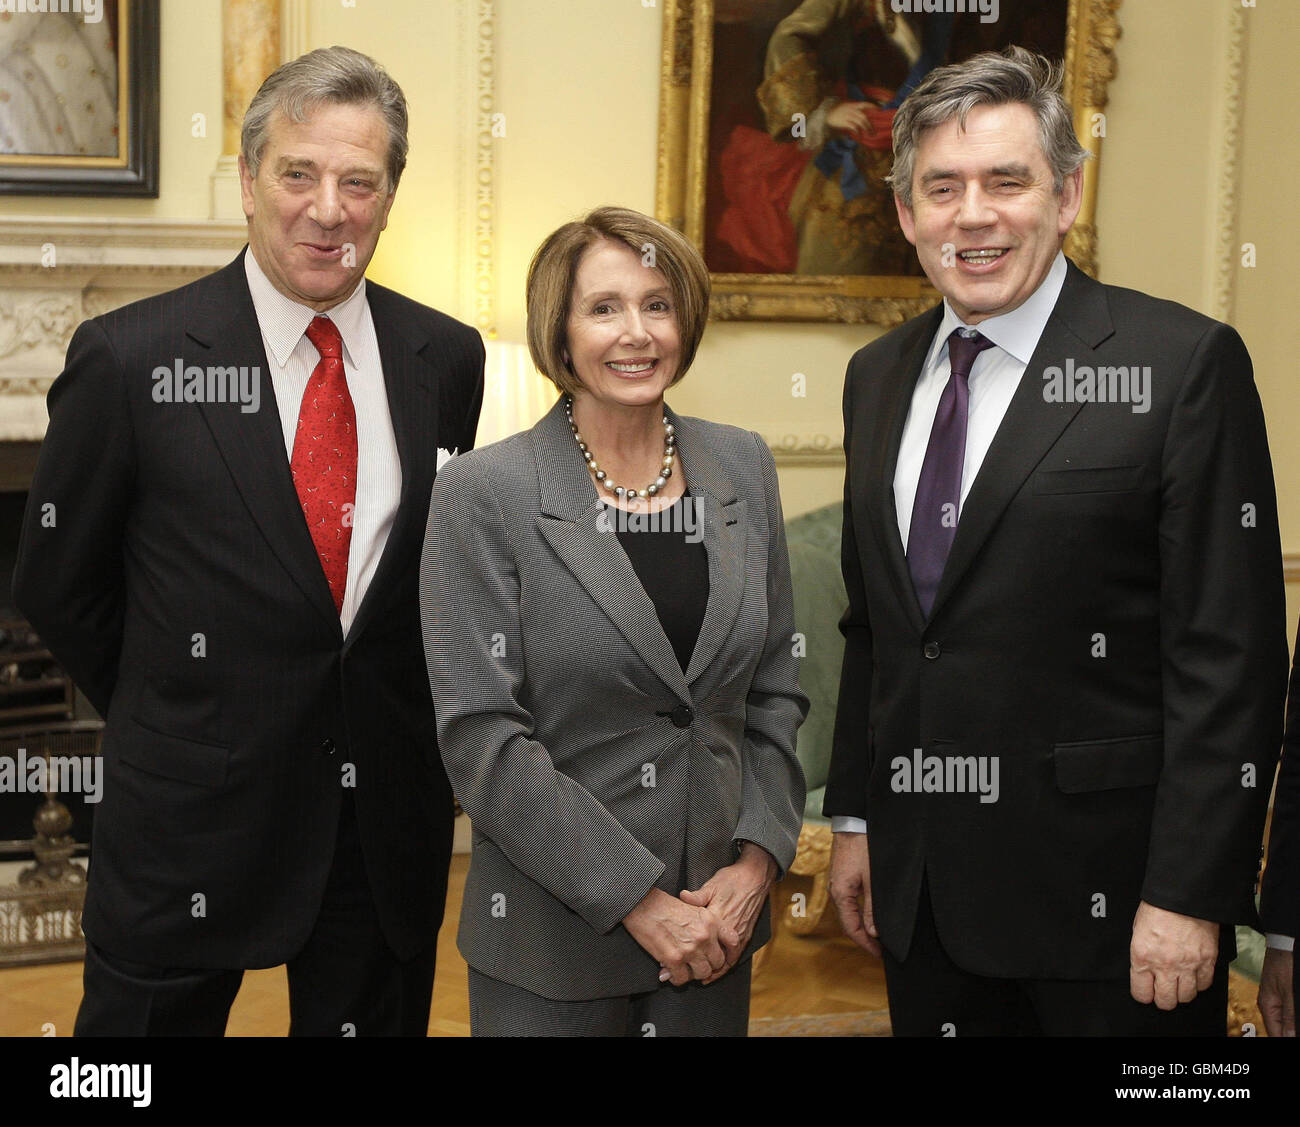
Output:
x=515 y=394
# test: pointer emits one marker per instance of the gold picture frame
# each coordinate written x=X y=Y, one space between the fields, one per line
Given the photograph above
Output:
x=686 y=83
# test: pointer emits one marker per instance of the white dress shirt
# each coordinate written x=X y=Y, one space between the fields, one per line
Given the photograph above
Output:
x=283 y=323
x=994 y=377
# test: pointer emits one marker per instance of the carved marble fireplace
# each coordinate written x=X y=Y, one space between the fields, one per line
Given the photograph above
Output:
x=54 y=273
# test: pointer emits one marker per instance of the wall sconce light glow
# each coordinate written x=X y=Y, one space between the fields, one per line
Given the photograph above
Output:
x=515 y=394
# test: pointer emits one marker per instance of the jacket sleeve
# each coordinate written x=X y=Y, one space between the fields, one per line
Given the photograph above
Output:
x=1279 y=901
x=772 y=782
x=465 y=409
x=850 y=766
x=550 y=828
x=69 y=579
x=1223 y=641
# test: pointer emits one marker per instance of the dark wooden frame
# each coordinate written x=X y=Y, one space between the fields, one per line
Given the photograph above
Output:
x=138 y=174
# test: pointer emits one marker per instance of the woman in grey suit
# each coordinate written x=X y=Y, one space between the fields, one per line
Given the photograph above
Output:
x=610 y=639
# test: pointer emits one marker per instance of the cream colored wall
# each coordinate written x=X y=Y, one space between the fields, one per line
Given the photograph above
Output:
x=190 y=83
x=1266 y=313
x=1155 y=204
x=1161 y=183
x=416 y=42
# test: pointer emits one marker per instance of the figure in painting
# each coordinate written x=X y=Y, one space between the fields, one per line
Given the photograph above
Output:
x=805 y=193
x=809 y=197
x=823 y=90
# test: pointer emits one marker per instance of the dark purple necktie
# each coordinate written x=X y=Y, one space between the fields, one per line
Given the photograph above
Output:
x=938 y=493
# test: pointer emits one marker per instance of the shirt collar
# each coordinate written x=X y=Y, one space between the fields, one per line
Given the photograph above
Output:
x=283 y=321
x=1016 y=332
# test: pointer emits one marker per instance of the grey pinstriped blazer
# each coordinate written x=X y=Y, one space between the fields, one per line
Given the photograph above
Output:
x=555 y=685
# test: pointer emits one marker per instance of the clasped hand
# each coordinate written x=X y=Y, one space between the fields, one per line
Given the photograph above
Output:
x=701 y=934
x=1172 y=956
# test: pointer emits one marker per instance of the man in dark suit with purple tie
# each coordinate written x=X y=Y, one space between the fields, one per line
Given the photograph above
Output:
x=1061 y=695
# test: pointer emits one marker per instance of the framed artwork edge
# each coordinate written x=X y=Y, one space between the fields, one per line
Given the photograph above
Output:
x=685 y=82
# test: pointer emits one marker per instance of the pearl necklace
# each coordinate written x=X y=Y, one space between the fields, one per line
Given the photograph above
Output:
x=665 y=472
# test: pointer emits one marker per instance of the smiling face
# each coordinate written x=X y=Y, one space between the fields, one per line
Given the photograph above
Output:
x=622 y=341
x=321 y=188
x=986 y=193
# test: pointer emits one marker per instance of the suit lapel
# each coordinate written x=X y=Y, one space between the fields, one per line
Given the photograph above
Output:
x=726 y=539
x=1078 y=324
x=886 y=442
x=411 y=365
x=570 y=508
x=252 y=444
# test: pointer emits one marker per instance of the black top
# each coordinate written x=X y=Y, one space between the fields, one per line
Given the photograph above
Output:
x=667 y=550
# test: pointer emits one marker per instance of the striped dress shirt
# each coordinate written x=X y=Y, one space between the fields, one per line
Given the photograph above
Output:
x=283 y=324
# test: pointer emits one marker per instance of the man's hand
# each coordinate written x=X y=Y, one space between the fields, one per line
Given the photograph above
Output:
x=1171 y=958
x=686 y=940
x=736 y=894
x=851 y=889
x=1277 y=993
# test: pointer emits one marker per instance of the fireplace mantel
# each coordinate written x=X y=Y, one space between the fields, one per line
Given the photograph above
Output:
x=55 y=273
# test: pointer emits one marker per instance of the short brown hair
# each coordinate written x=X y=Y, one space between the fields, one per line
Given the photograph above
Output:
x=554 y=269
x=1013 y=75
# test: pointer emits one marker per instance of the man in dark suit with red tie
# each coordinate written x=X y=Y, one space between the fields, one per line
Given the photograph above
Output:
x=1065 y=658
x=222 y=547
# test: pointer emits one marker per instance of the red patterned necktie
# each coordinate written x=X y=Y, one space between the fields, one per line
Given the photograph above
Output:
x=324 y=462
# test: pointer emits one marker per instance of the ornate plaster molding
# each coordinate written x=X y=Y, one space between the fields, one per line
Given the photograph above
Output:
x=476 y=266
x=1227 y=186
x=806 y=449
x=56 y=272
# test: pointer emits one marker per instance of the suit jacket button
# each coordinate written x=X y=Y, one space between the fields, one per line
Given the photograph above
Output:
x=682 y=716
x=931 y=650
x=327 y=746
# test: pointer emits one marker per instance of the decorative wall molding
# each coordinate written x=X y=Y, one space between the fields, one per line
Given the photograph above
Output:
x=55 y=273
x=88 y=243
x=476 y=25
x=295 y=29
x=822 y=450
x=29 y=320
x=1223 y=280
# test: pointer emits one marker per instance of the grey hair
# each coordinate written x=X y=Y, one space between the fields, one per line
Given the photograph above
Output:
x=328 y=74
x=992 y=78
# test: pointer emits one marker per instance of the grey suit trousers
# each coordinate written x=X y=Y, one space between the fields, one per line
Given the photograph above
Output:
x=497 y=1009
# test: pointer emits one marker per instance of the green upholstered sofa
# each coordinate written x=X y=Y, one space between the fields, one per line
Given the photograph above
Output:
x=813 y=540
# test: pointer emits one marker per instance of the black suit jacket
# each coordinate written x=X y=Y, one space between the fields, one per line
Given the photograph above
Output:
x=1279 y=902
x=1109 y=628
x=166 y=562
